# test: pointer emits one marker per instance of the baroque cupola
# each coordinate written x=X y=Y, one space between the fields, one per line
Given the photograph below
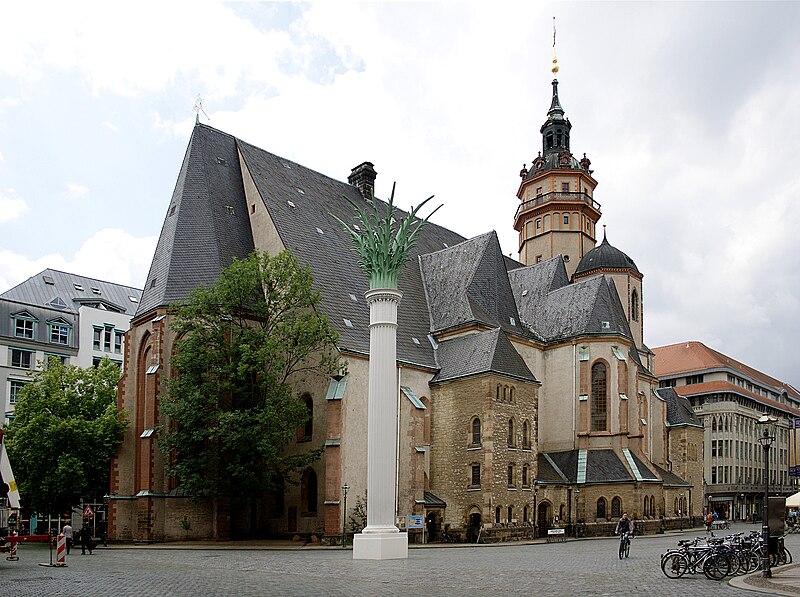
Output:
x=557 y=214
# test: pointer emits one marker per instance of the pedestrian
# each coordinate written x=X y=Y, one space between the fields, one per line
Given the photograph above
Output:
x=86 y=540
x=709 y=520
x=66 y=530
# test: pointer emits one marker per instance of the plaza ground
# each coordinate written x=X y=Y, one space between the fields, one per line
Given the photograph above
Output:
x=583 y=567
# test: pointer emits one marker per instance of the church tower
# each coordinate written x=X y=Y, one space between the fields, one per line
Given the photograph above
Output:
x=557 y=214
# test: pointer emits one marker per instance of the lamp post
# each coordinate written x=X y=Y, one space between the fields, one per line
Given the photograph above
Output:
x=767 y=436
x=535 y=512
x=577 y=493
x=345 y=487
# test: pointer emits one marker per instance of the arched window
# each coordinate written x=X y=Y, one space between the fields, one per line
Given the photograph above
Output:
x=305 y=431
x=646 y=508
x=635 y=305
x=525 y=480
x=616 y=507
x=652 y=506
x=599 y=399
x=308 y=492
x=476 y=431
x=510 y=513
x=525 y=514
x=676 y=505
x=497 y=515
x=511 y=442
x=475 y=475
x=601 y=508
x=526 y=435
x=511 y=475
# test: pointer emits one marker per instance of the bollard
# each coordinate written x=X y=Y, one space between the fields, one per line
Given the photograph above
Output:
x=61 y=550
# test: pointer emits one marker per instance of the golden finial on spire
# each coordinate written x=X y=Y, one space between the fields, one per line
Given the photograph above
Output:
x=554 y=68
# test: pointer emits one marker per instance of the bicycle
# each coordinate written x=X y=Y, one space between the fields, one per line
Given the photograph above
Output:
x=692 y=557
x=624 y=544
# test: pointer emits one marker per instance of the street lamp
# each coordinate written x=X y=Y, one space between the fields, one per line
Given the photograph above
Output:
x=577 y=494
x=345 y=487
x=535 y=515
x=767 y=436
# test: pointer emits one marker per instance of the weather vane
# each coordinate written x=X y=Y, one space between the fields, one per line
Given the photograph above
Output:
x=198 y=107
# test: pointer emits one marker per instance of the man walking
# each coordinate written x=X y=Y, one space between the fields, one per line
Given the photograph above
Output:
x=86 y=540
x=67 y=532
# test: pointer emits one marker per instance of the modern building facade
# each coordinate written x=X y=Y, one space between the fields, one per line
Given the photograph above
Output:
x=527 y=397
x=80 y=320
x=729 y=397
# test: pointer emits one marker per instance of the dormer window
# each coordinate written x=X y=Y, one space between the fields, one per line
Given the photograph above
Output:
x=24 y=326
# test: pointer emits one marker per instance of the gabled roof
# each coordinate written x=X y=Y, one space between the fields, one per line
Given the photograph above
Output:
x=671 y=479
x=207 y=224
x=478 y=353
x=315 y=199
x=679 y=411
x=469 y=283
x=585 y=307
x=67 y=292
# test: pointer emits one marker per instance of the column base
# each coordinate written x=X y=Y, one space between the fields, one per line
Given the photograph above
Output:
x=380 y=546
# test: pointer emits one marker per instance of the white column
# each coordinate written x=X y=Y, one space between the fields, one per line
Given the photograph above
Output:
x=380 y=539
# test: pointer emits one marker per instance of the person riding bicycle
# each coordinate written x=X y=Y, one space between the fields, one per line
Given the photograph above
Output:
x=624 y=525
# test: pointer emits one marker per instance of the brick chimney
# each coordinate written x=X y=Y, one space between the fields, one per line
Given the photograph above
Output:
x=363 y=178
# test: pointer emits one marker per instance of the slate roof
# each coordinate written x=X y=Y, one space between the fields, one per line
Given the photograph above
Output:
x=469 y=283
x=572 y=310
x=671 y=479
x=207 y=224
x=41 y=290
x=679 y=411
x=605 y=256
x=602 y=466
x=475 y=354
x=330 y=255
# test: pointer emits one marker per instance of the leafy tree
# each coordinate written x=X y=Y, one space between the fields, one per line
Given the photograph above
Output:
x=65 y=430
x=243 y=342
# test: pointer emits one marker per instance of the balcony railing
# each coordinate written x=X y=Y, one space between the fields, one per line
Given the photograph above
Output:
x=547 y=197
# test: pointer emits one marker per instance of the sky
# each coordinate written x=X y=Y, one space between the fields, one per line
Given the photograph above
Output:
x=688 y=112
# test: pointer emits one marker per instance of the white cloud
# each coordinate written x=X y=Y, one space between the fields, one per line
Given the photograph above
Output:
x=73 y=190
x=111 y=126
x=110 y=254
x=11 y=206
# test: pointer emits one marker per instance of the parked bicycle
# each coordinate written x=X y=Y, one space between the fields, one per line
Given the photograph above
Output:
x=693 y=557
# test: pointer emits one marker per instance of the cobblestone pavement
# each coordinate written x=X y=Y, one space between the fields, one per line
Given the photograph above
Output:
x=585 y=567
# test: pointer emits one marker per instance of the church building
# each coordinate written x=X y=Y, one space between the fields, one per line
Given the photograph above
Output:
x=526 y=394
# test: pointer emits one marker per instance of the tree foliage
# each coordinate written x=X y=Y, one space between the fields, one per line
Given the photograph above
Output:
x=243 y=342
x=65 y=430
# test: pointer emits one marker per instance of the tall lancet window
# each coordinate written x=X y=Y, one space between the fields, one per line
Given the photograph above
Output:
x=599 y=397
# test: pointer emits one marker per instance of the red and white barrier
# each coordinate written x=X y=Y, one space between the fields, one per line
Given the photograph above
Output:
x=61 y=550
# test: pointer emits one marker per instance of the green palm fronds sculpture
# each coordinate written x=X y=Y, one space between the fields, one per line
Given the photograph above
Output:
x=384 y=250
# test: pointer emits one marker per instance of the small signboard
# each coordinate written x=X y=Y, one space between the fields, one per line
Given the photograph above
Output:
x=88 y=512
x=415 y=522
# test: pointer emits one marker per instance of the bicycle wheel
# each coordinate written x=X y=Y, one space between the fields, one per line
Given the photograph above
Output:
x=674 y=565
x=716 y=567
x=621 y=549
x=788 y=555
x=627 y=548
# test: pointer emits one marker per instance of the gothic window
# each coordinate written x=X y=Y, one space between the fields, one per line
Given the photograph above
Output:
x=652 y=505
x=497 y=515
x=616 y=507
x=599 y=398
x=525 y=480
x=601 y=508
x=526 y=435
x=635 y=305
x=511 y=475
x=476 y=431
x=646 y=506
x=308 y=492
x=305 y=431
x=510 y=513
x=511 y=442
x=525 y=514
